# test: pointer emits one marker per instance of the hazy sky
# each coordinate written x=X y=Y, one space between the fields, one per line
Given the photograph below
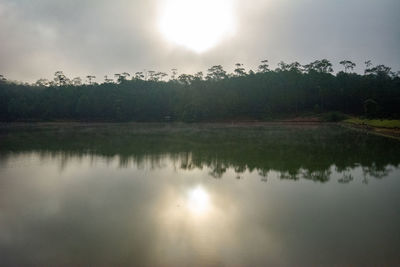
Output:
x=80 y=37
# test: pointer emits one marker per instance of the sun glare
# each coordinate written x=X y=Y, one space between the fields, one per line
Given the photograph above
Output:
x=197 y=24
x=198 y=201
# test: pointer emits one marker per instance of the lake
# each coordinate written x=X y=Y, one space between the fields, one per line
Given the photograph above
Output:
x=198 y=195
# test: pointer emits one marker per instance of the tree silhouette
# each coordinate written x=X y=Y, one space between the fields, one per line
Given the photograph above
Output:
x=199 y=76
x=348 y=65
x=108 y=80
x=295 y=67
x=264 y=67
x=380 y=70
x=174 y=74
x=160 y=76
x=282 y=66
x=239 y=70
x=60 y=79
x=139 y=75
x=90 y=78
x=216 y=73
x=122 y=77
x=321 y=66
x=368 y=64
x=152 y=75
x=186 y=79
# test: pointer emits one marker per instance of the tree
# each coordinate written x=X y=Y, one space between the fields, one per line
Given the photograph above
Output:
x=295 y=67
x=263 y=67
x=368 y=64
x=139 y=75
x=151 y=75
x=216 y=73
x=199 y=76
x=77 y=81
x=60 y=79
x=126 y=75
x=282 y=66
x=108 y=80
x=174 y=74
x=348 y=65
x=380 y=70
x=239 y=70
x=90 y=78
x=321 y=66
x=122 y=77
x=160 y=76
x=186 y=79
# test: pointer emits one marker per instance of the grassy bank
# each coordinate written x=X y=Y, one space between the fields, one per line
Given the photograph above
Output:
x=383 y=127
x=376 y=123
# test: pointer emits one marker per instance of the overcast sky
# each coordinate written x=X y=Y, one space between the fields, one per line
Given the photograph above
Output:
x=80 y=37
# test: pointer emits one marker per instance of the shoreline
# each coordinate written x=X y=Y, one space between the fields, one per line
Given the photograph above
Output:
x=296 y=122
x=222 y=123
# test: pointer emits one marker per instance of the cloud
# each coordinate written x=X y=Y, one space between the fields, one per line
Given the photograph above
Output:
x=104 y=37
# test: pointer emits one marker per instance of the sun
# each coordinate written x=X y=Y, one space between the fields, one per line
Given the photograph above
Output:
x=197 y=25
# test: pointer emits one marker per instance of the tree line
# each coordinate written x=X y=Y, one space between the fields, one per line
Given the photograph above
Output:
x=291 y=88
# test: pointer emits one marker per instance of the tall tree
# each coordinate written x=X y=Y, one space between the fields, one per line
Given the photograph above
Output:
x=348 y=65
x=90 y=78
x=321 y=66
x=216 y=72
x=368 y=64
x=174 y=74
x=264 y=66
x=60 y=79
x=239 y=70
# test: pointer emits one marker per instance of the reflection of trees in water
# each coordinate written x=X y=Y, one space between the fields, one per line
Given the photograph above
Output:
x=217 y=170
x=186 y=161
x=289 y=176
x=346 y=178
x=321 y=175
x=292 y=152
x=375 y=171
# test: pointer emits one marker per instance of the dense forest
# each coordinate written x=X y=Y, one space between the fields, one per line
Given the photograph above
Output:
x=216 y=96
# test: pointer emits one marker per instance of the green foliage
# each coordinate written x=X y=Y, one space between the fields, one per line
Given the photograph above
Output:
x=290 y=89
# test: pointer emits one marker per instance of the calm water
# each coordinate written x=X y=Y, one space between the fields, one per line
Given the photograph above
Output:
x=200 y=195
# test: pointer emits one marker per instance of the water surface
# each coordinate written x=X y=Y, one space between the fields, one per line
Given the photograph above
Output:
x=198 y=195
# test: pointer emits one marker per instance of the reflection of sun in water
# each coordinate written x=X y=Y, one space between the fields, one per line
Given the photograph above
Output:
x=196 y=24
x=198 y=201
